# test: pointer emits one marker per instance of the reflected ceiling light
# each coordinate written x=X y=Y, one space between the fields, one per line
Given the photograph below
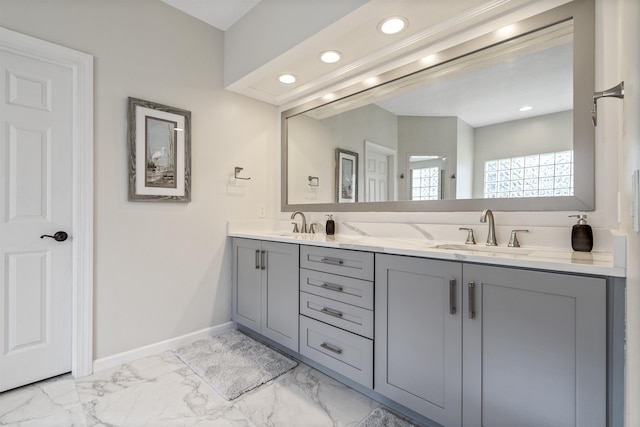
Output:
x=329 y=97
x=287 y=78
x=330 y=56
x=372 y=81
x=507 y=31
x=393 y=25
x=429 y=59
x=526 y=108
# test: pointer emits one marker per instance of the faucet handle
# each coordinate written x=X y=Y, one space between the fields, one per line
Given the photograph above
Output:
x=312 y=228
x=471 y=240
x=295 y=227
x=513 y=241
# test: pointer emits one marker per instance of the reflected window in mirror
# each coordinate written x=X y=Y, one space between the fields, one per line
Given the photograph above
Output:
x=536 y=175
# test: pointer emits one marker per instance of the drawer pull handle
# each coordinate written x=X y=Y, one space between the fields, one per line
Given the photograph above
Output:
x=263 y=264
x=332 y=287
x=472 y=300
x=331 y=312
x=331 y=348
x=332 y=261
x=257 y=259
x=452 y=297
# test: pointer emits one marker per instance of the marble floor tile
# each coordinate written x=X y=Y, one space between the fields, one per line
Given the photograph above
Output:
x=307 y=398
x=156 y=391
x=49 y=403
x=161 y=391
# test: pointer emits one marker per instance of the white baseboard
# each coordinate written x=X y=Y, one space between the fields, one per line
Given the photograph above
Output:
x=159 y=347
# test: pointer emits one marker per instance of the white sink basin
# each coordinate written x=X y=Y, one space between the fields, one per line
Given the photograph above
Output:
x=502 y=250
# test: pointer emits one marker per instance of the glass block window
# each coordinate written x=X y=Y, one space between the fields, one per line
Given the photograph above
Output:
x=537 y=175
x=425 y=183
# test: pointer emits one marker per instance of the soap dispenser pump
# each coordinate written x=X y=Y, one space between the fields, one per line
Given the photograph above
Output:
x=330 y=227
x=581 y=235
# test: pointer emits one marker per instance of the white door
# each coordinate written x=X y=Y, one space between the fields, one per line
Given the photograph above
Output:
x=377 y=177
x=35 y=200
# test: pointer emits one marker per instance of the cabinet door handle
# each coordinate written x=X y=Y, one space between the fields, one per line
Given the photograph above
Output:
x=332 y=287
x=472 y=300
x=333 y=261
x=331 y=348
x=263 y=263
x=452 y=297
x=257 y=259
x=330 y=312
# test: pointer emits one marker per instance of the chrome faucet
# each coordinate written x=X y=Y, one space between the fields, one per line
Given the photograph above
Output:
x=491 y=237
x=303 y=226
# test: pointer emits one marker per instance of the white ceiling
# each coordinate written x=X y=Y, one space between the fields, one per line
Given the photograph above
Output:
x=221 y=14
x=433 y=25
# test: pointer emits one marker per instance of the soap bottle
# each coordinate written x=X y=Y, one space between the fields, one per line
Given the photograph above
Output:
x=581 y=235
x=330 y=227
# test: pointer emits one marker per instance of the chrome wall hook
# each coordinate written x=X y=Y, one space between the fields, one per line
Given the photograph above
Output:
x=614 y=92
x=237 y=171
x=314 y=181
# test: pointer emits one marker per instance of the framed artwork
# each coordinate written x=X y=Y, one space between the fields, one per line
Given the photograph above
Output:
x=346 y=176
x=159 y=139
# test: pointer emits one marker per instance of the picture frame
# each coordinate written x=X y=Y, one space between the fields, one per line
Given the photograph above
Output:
x=346 y=176
x=159 y=140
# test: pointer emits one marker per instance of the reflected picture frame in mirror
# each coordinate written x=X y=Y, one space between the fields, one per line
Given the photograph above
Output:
x=577 y=15
x=346 y=176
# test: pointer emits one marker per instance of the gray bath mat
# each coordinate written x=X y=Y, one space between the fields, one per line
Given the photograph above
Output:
x=232 y=363
x=380 y=417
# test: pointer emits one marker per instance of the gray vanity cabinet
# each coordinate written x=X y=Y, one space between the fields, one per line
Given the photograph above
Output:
x=418 y=335
x=477 y=345
x=266 y=289
x=534 y=348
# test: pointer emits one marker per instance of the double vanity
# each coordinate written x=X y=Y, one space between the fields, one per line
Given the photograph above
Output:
x=448 y=333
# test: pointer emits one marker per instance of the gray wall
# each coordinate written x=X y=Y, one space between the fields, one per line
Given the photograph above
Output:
x=431 y=136
x=161 y=269
x=542 y=134
x=312 y=145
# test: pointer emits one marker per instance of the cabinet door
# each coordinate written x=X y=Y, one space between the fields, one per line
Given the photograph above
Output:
x=535 y=353
x=280 y=293
x=418 y=328
x=247 y=283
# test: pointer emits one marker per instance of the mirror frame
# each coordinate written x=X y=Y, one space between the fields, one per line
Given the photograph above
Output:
x=583 y=14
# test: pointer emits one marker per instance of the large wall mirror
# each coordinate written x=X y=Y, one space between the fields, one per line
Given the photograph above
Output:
x=502 y=121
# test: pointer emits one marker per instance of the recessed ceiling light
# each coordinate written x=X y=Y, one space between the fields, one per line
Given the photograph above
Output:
x=393 y=25
x=526 y=108
x=287 y=78
x=330 y=56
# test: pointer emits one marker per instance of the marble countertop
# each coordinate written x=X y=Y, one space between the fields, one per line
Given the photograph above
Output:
x=552 y=259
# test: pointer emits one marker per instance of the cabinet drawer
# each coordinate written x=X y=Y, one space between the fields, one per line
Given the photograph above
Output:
x=345 y=289
x=345 y=316
x=338 y=261
x=345 y=353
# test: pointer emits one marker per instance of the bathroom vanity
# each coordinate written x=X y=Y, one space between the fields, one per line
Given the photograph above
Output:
x=455 y=335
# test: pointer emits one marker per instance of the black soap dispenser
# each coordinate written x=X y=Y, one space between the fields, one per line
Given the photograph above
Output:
x=330 y=226
x=581 y=235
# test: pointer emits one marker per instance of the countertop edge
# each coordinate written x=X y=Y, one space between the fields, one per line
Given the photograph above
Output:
x=359 y=243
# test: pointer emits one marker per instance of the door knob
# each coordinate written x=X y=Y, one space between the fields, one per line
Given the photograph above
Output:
x=60 y=236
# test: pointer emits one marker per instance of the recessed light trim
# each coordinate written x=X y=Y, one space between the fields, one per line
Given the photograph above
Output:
x=287 y=78
x=330 y=56
x=393 y=25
